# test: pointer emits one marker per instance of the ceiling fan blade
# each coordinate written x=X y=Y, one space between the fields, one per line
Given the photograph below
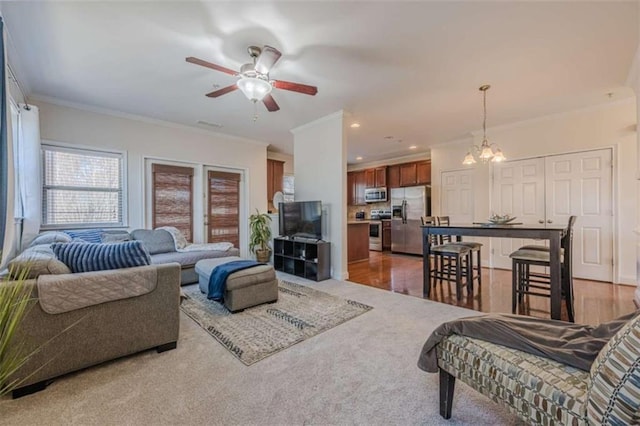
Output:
x=222 y=91
x=295 y=87
x=270 y=103
x=200 y=62
x=267 y=59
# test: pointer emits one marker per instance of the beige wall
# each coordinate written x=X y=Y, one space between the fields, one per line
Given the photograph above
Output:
x=142 y=139
x=320 y=156
x=612 y=125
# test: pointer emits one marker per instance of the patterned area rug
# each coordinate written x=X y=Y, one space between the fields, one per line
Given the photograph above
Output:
x=256 y=333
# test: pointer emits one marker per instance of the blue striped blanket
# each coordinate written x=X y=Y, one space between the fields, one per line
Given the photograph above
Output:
x=219 y=275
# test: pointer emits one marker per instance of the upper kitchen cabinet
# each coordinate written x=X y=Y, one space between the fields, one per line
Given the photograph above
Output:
x=408 y=174
x=356 y=184
x=351 y=188
x=381 y=176
x=418 y=173
x=370 y=178
x=423 y=172
x=393 y=180
x=375 y=178
x=275 y=172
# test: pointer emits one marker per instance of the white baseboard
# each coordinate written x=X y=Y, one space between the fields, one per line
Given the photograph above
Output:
x=627 y=280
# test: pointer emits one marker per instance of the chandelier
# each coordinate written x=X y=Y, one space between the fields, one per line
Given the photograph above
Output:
x=485 y=151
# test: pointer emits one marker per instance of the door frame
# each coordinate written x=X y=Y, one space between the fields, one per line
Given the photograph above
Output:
x=615 y=217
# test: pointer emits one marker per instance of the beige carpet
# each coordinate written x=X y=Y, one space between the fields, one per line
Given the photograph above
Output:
x=361 y=372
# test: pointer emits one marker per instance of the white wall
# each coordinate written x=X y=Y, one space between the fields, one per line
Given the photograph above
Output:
x=320 y=165
x=611 y=125
x=145 y=138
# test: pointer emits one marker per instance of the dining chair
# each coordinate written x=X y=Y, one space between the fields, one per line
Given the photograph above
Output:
x=448 y=260
x=474 y=266
x=524 y=281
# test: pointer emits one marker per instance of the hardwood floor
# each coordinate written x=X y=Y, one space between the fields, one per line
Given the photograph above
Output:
x=595 y=301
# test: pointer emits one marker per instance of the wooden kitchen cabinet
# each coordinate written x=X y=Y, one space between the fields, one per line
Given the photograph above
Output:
x=393 y=176
x=386 y=235
x=380 y=177
x=275 y=172
x=351 y=188
x=370 y=178
x=408 y=174
x=360 y=186
x=423 y=172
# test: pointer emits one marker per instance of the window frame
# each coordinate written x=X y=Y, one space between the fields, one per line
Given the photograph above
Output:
x=87 y=150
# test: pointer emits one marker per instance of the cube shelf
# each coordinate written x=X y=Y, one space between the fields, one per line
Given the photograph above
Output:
x=305 y=258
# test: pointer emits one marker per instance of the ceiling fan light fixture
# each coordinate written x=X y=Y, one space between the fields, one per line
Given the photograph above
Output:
x=254 y=88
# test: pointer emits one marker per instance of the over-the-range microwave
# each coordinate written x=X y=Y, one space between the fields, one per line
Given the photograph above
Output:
x=375 y=195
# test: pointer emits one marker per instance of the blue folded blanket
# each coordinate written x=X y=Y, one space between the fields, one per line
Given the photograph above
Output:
x=218 y=278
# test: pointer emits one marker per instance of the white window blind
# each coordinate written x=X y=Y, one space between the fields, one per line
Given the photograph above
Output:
x=81 y=188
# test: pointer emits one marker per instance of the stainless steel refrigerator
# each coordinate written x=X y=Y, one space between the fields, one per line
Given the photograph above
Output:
x=407 y=206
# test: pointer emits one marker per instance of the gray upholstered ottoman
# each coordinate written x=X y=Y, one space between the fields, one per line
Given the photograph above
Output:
x=245 y=288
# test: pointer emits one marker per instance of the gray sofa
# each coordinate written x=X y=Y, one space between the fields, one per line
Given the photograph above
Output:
x=160 y=245
x=86 y=336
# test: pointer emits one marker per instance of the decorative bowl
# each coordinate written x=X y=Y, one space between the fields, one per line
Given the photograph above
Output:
x=501 y=220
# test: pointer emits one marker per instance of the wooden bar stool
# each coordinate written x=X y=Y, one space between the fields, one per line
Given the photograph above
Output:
x=448 y=260
x=474 y=266
x=525 y=282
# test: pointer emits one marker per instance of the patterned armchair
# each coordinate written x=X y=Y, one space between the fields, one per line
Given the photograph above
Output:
x=542 y=391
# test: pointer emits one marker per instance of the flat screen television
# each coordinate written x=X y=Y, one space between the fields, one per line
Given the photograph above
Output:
x=301 y=219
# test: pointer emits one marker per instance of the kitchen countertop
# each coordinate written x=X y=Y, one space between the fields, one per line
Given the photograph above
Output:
x=357 y=222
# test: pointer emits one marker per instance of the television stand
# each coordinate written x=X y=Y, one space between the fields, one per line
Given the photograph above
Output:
x=303 y=257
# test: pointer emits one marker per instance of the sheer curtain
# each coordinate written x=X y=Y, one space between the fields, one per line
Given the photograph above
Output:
x=7 y=227
x=28 y=178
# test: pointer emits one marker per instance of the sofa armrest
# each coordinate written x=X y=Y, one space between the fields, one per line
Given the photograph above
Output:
x=73 y=340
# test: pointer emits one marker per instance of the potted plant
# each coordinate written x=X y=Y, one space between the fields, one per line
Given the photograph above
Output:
x=15 y=298
x=260 y=236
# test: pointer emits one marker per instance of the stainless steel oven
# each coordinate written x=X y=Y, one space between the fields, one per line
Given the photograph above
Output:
x=375 y=235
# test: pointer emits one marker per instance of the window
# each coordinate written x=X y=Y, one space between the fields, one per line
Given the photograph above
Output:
x=81 y=188
x=288 y=187
x=172 y=198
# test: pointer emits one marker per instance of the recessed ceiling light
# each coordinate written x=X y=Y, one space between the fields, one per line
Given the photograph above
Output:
x=412 y=147
x=355 y=125
x=358 y=158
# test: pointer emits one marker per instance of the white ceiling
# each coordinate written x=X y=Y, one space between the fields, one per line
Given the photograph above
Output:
x=410 y=70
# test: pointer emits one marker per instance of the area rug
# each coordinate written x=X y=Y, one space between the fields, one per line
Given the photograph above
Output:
x=256 y=333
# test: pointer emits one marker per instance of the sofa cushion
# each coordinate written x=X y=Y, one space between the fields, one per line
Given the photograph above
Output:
x=156 y=241
x=115 y=236
x=88 y=257
x=35 y=261
x=51 y=237
x=88 y=235
x=615 y=379
x=189 y=258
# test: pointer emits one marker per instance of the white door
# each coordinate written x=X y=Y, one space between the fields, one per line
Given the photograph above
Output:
x=457 y=196
x=518 y=190
x=580 y=184
x=550 y=189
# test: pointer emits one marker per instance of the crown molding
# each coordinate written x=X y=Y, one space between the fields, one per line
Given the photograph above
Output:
x=562 y=114
x=338 y=114
x=389 y=162
x=140 y=118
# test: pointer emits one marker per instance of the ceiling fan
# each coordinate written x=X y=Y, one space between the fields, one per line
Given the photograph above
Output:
x=253 y=78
